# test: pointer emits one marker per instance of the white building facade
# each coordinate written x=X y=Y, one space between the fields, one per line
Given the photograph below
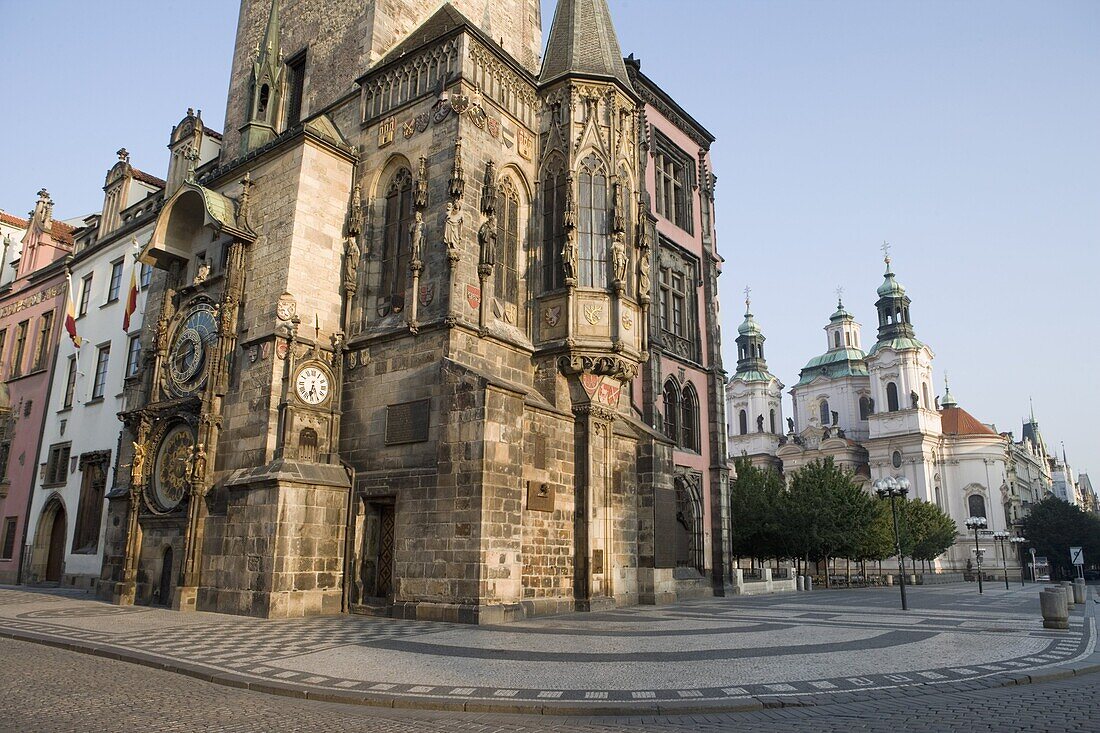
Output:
x=79 y=454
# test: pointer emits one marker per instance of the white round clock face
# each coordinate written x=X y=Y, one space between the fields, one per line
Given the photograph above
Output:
x=312 y=385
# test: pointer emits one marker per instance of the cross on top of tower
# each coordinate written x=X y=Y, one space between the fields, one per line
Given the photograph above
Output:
x=748 y=298
x=885 y=251
x=840 y=296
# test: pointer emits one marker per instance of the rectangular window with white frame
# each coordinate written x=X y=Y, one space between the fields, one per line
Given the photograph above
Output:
x=675 y=178
x=100 y=384
x=85 y=295
x=146 y=276
x=133 y=356
x=70 y=385
x=116 y=281
x=57 y=465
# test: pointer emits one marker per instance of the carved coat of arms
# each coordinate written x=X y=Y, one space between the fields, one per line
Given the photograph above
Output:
x=473 y=296
x=427 y=294
x=552 y=315
x=593 y=313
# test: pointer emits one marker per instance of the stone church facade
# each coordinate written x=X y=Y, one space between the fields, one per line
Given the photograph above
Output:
x=434 y=331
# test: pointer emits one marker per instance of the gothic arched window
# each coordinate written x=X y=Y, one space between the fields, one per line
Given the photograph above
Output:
x=976 y=504
x=506 y=275
x=672 y=411
x=836 y=339
x=891 y=397
x=553 y=226
x=743 y=422
x=689 y=419
x=771 y=422
x=592 y=241
x=307 y=445
x=396 y=254
x=924 y=394
x=823 y=413
x=865 y=408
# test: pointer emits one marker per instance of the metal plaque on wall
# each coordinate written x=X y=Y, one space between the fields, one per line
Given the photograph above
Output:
x=540 y=496
x=407 y=422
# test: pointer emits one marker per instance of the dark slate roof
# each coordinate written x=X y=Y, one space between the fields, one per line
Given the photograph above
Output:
x=582 y=41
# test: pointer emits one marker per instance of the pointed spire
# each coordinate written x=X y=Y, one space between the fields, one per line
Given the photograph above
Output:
x=582 y=41
x=269 y=51
x=948 y=400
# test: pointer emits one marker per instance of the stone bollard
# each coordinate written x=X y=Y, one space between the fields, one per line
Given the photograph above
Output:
x=809 y=582
x=889 y=580
x=1079 y=590
x=1052 y=601
x=801 y=583
x=1067 y=588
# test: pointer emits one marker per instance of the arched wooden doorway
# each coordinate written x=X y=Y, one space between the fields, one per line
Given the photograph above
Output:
x=48 y=551
x=55 y=559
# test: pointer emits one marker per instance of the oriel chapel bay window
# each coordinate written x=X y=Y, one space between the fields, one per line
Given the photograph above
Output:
x=592 y=224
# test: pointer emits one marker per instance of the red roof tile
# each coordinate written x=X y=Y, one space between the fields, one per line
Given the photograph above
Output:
x=146 y=178
x=957 y=421
x=12 y=220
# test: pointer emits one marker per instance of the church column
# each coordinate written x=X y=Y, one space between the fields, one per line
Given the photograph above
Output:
x=126 y=591
x=487 y=243
x=593 y=585
x=452 y=231
x=416 y=242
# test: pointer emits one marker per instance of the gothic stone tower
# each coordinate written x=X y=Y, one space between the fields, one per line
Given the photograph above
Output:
x=392 y=366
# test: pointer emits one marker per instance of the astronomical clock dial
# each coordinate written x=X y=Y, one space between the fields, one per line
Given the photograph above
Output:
x=312 y=385
x=172 y=471
x=187 y=354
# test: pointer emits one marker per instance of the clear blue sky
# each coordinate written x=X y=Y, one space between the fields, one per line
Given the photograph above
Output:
x=967 y=134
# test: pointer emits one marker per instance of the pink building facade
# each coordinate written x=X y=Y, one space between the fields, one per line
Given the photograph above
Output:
x=32 y=312
x=683 y=381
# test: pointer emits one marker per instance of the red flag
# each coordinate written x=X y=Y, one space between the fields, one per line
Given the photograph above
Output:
x=131 y=297
x=70 y=315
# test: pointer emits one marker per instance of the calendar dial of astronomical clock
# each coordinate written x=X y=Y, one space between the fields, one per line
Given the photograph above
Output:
x=172 y=471
x=187 y=355
x=312 y=385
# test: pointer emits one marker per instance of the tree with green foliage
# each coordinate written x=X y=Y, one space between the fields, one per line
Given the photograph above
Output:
x=1053 y=526
x=756 y=498
x=930 y=532
x=876 y=541
x=827 y=511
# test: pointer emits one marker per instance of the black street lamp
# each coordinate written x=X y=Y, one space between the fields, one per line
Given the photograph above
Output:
x=1018 y=542
x=1002 y=537
x=892 y=488
x=976 y=524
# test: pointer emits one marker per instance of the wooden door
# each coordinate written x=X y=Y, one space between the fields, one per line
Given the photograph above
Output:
x=56 y=557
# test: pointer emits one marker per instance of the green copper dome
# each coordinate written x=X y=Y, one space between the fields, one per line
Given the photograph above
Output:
x=890 y=286
x=749 y=327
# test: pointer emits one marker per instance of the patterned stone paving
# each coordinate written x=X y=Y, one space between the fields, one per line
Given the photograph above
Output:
x=724 y=652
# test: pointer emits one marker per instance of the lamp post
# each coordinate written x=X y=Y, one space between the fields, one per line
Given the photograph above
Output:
x=892 y=488
x=1018 y=542
x=1002 y=537
x=977 y=523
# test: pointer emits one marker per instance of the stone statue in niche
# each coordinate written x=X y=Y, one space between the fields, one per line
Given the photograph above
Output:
x=352 y=254
x=198 y=466
x=201 y=273
x=759 y=423
x=619 y=261
x=452 y=226
x=790 y=424
x=569 y=257
x=137 y=464
x=487 y=238
x=836 y=417
x=915 y=399
x=416 y=236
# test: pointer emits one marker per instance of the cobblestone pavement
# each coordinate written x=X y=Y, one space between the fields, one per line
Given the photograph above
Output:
x=715 y=654
x=49 y=690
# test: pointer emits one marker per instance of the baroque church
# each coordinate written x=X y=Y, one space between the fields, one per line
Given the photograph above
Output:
x=875 y=413
x=432 y=331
